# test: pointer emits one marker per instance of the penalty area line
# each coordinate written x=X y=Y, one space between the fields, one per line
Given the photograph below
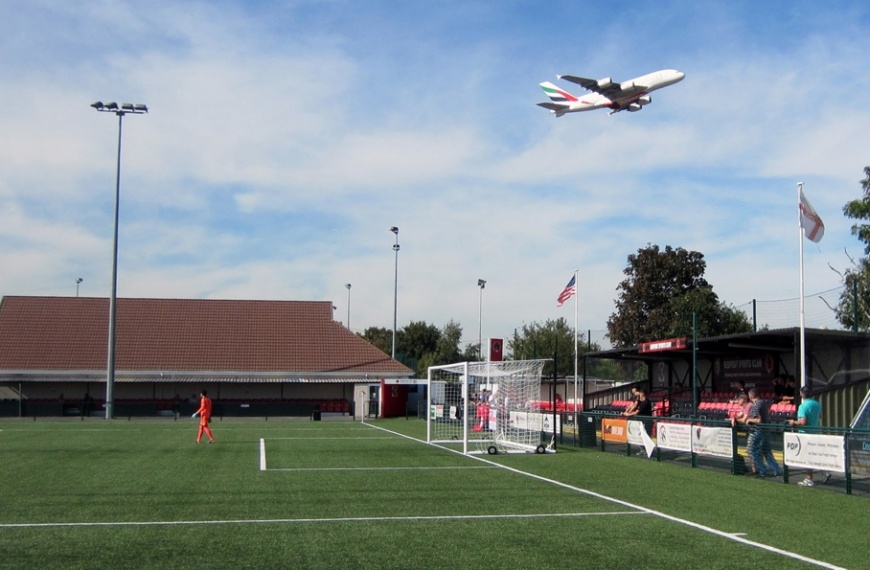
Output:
x=378 y=468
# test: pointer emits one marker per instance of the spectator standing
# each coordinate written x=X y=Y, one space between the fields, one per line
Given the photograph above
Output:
x=740 y=416
x=632 y=407
x=809 y=414
x=788 y=392
x=642 y=409
x=758 y=445
x=779 y=388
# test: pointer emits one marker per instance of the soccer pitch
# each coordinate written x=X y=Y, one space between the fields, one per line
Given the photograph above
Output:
x=340 y=494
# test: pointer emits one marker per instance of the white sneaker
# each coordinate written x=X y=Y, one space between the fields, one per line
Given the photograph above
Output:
x=807 y=483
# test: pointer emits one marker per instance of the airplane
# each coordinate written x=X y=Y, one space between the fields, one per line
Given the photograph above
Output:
x=629 y=95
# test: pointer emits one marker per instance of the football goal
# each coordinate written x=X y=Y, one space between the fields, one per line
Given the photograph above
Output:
x=487 y=407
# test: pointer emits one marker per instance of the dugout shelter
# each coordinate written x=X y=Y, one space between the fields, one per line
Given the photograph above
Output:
x=837 y=369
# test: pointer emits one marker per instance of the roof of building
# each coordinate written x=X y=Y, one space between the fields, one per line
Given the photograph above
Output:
x=58 y=334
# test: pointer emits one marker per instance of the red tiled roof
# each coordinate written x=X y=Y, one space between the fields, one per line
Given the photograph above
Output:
x=71 y=333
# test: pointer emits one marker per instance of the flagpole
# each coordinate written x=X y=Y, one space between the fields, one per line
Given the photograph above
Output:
x=803 y=373
x=576 y=319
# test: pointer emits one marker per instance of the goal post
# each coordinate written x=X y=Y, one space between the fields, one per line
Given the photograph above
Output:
x=486 y=407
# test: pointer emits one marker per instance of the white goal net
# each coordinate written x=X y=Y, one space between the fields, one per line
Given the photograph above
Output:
x=487 y=407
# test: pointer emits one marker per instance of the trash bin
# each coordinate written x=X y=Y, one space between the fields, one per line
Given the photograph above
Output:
x=587 y=425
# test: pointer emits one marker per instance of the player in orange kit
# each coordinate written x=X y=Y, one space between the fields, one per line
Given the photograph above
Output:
x=204 y=413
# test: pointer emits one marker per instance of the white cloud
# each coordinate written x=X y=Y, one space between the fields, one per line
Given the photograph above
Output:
x=284 y=140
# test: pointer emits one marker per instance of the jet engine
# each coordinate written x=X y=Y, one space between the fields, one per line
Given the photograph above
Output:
x=632 y=107
x=626 y=85
x=605 y=83
x=645 y=100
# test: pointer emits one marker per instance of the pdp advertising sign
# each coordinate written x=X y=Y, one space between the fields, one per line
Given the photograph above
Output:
x=812 y=451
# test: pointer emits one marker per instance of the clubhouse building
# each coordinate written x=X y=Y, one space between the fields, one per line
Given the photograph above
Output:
x=254 y=357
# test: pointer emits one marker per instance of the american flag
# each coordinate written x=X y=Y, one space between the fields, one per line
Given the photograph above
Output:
x=569 y=291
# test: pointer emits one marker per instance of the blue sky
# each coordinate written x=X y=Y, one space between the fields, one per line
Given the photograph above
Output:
x=286 y=138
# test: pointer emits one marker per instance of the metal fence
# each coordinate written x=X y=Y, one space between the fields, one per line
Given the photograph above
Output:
x=843 y=453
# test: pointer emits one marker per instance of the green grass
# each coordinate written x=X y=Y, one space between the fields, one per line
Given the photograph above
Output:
x=339 y=494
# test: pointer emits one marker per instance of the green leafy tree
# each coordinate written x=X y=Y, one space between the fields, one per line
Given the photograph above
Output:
x=446 y=349
x=853 y=309
x=416 y=339
x=859 y=209
x=420 y=345
x=380 y=337
x=661 y=290
x=543 y=341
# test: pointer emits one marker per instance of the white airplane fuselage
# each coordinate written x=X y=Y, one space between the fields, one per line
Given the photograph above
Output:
x=629 y=95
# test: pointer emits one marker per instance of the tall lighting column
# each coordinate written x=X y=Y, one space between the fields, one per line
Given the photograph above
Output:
x=120 y=111
x=395 y=230
x=480 y=283
x=348 y=305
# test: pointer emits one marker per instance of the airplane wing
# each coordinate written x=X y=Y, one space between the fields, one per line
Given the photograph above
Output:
x=605 y=87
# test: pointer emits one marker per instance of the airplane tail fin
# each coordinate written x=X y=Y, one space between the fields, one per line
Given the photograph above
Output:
x=557 y=94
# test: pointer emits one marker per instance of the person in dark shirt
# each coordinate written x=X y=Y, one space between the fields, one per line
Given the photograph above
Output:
x=788 y=392
x=758 y=445
x=643 y=409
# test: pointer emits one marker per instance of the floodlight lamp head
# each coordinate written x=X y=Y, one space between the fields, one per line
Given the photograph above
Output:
x=395 y=230
x=347 y=285
x=98 y=105
x=140 y=108
x=127 y=106
x=112 y=106
x=481 y=283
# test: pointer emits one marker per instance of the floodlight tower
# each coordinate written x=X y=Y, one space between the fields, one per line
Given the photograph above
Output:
x=395 y=230
x=348 y=305
x=480 y=283
x=120 y=111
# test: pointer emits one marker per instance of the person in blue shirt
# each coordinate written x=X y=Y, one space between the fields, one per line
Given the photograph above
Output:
x=809 y=414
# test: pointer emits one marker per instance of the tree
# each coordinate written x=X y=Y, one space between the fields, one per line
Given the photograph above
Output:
x=543 y=341
x=860 y=210
x=853 y=310
x=416 y=339
x=661 y=291
x=380 y=337
x=420 y=345
x=446 y=349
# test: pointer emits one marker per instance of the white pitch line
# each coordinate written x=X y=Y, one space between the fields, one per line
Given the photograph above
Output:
x=376 y=468
x=262 y=454
x=318 y=520
x=332 y=438
x=729 y=536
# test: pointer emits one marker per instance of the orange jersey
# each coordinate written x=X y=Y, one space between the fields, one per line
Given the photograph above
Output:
x=204 y=410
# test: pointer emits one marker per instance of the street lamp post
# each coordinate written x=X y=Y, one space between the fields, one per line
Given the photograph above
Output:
x=480 y=283
x=348 y=305
x=78 y=282
x=120 y=111
x=395 y=230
